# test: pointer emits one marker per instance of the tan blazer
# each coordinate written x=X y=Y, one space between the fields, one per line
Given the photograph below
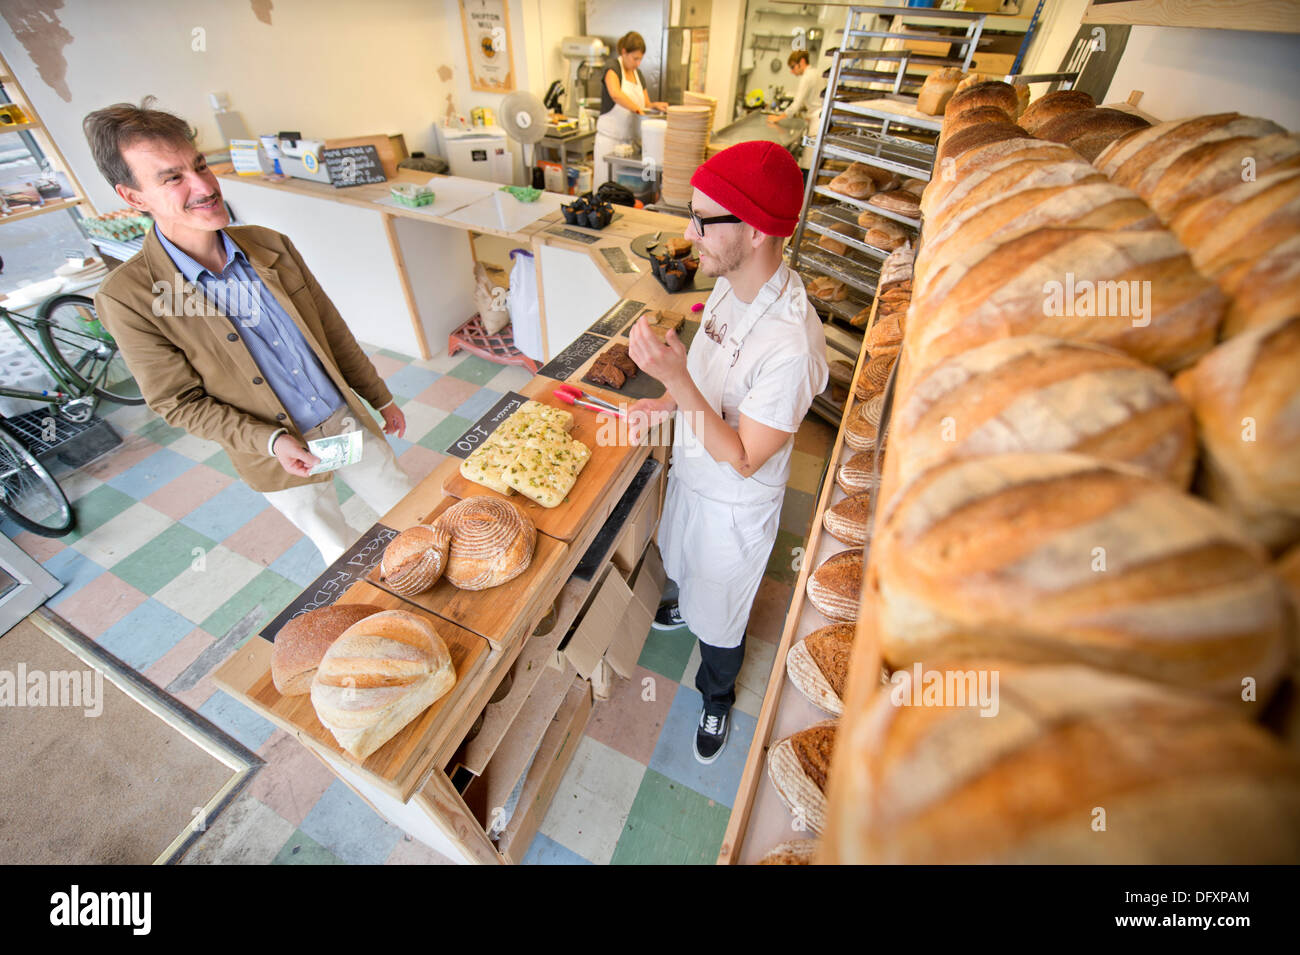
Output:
x=194 y=369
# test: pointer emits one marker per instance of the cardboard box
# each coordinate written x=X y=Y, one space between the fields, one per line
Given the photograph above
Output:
x=553 y=757
x=647 y=587
x=640 y=526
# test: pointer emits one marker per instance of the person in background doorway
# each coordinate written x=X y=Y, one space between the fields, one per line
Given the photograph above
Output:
x=230 y=336
x=623 y=98
x=738 y=397
x=807 y=102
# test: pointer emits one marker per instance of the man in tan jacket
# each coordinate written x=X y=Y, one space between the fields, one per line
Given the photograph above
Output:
x=230 y=337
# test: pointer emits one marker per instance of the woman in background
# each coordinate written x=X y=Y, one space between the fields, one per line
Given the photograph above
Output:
x=622 y=99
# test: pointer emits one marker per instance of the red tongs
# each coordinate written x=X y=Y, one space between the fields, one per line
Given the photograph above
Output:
x=571 y=395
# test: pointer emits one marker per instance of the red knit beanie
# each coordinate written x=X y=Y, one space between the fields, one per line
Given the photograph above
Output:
x=758 y=181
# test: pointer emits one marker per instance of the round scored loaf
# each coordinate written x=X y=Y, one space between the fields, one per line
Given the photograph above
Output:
x=799 y=768
x=1246 y=397
x=302 y=642
x=1051 y=105
x=1067 y=558
x=859 y=434
x=378 y=676
x=492 y=542
x=1134 y=290
x=849 y=520
x=1179 y=779
x=1035 y=393
x=857 y=473
x=835 y=588
x=794 y=852
x=985 y=95
x=974 y=116
x=818 y=666
x=414 y=560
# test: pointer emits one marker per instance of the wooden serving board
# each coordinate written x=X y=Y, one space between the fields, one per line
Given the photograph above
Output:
x=401 y=762
x=492 y=613
x=607 y=459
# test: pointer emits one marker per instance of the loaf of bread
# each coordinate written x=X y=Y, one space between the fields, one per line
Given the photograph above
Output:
x=888 y=235
x=987 y=95
x=818 y=666
x=971 y=138
x=1067 y=558
x=832 y=245
x=301 y=643
x=1135 y=290
x=849 y=520
x=853 y=187
x=937 y=89
x=827 y=289
x=799 y=768
x=794 y=852
x=859 y=434
x=1051 y=105
x=492 y=542
x=857 y=474
x=955 y=122
x=1246 y=397
x=1033 y=393
x=1089 y=131
x=1180 y=781
x=886 y=333
x=1241 y=223
x=1262 y=291
x=1211 y=167
x=1140 y=160
x=835 y=587
x=990 y=158
x=896 y=268
x=378 y=676
x=897 y=201
x=414 y=560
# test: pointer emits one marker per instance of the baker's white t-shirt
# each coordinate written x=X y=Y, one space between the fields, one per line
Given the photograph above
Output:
x=765 y=360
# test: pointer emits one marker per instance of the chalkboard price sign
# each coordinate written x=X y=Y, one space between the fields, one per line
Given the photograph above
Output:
x=572 y=358
x=353 y=166
x=477 y=433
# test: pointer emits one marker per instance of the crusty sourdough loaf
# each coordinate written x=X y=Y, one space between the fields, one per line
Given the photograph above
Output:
x=1241 y=223
x=818 y=666
x=1134 y=290
x=849 y=520
x=1263 y=290
x=799 y=768
x=835 y=587
x=414 y=560
x=974 y=137
x=1211 y=167
x=492 y=542
x=378 y=676
x=302 y=642
x=1067 y=558
x=1246 y=397
x=794 y=852
x=990 y=158
x=1140 y=161
x=974 y=116
x=1089 y=131
x=1076 y=766
x=855 y=474
x=1051 y=105
x=1034 y=393
x=986 y=95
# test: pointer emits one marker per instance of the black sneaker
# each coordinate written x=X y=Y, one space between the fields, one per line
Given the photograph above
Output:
x=711 y=735
x=669 y=617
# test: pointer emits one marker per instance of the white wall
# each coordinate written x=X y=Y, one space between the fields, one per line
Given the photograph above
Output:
x=1184 y=71
x=726 y=29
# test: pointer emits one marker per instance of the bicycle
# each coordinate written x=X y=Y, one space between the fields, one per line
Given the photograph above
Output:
x=84 y=361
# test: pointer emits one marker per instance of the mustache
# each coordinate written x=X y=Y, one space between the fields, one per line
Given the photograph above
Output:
x=205 y=199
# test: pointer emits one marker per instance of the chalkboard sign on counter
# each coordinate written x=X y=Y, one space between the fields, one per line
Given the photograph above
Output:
x=573 y=235
x=572 y=358
x=617 y=318
x=353 y=166
x=354 y=565
x=477 y=433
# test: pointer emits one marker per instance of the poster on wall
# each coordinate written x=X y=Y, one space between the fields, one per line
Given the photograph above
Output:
x=487 y=45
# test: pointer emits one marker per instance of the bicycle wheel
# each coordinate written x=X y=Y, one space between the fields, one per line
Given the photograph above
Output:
x=79 y=344
x=29 y=495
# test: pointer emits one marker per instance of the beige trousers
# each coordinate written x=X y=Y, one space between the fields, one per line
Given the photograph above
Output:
x=314 y=508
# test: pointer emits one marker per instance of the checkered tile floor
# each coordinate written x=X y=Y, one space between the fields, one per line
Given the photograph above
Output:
x=175 y=563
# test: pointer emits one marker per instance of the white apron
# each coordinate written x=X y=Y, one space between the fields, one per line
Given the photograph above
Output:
x=617 y=126
x=717 y=528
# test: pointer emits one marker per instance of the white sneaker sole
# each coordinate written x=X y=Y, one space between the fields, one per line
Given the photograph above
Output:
x=714 y=757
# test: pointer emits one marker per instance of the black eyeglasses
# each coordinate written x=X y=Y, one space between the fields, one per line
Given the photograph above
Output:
x=700 y=223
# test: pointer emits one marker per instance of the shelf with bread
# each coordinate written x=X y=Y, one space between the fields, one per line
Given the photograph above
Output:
x=1085 y=538
x=780 y=804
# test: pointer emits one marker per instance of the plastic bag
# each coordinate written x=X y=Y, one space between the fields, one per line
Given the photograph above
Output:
x=492 y=309
x=525 y=315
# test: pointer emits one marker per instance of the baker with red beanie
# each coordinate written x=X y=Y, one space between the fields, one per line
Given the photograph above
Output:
x=738 y=397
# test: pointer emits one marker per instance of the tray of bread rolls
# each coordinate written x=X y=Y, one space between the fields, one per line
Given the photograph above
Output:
x=601 y=435
x=485 y=558
x=363 y=701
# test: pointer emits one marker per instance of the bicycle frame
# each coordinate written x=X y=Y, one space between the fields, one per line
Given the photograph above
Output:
x=60 y=398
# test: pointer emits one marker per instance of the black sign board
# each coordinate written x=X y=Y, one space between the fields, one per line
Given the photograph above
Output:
x=573 y=235
x=617 y=318
x=353 y=166
x=618 y=260
x=354 y=565
x=572 y=358
x=477 y=433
